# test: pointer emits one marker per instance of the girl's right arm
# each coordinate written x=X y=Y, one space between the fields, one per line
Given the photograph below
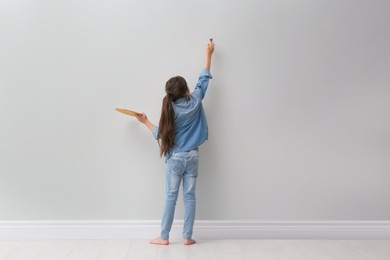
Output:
x=203 y=81
x=209 y=53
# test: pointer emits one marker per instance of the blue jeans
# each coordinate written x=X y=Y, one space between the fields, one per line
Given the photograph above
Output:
x=180 y=166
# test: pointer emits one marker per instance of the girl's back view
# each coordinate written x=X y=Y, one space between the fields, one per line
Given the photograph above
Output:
x=182 y=128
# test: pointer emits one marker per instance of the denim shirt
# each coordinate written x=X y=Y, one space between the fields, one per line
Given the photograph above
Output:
x=191 y=128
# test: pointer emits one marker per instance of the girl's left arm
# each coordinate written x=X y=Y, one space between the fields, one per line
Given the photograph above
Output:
x=144 y=119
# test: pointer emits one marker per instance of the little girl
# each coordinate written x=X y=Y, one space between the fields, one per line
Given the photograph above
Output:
x=182 y=128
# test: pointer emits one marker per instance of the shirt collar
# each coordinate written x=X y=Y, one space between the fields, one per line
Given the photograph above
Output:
x=181 y=100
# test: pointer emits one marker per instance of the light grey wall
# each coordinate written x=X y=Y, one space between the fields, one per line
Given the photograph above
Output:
x=298 y=109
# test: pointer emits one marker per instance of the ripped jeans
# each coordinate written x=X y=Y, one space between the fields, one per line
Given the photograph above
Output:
x=182 y=166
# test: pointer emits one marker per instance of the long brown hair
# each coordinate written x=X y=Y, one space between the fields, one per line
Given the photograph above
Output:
x=175 y=88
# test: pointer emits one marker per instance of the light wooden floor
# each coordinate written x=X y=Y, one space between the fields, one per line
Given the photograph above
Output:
x=204 y=249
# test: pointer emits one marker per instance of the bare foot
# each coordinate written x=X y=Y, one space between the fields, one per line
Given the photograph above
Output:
x=159 y=241
x=188 y=242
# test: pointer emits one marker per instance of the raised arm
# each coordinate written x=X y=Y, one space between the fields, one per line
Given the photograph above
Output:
x=209 y=53
x=203 y=81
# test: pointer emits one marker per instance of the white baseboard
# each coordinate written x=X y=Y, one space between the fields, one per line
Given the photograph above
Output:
x=203 y=229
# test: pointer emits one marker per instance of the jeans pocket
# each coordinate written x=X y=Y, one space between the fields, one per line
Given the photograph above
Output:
x=175 y=166
x=193 y=165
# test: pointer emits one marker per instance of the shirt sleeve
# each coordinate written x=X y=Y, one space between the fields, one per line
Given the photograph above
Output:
x=203 y=82
x=155 y=132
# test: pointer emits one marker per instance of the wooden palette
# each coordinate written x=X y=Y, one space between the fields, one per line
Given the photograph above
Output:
x=126 y=111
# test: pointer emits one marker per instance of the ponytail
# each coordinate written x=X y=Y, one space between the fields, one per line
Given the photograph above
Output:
x=175 y=88
x=166 y=126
